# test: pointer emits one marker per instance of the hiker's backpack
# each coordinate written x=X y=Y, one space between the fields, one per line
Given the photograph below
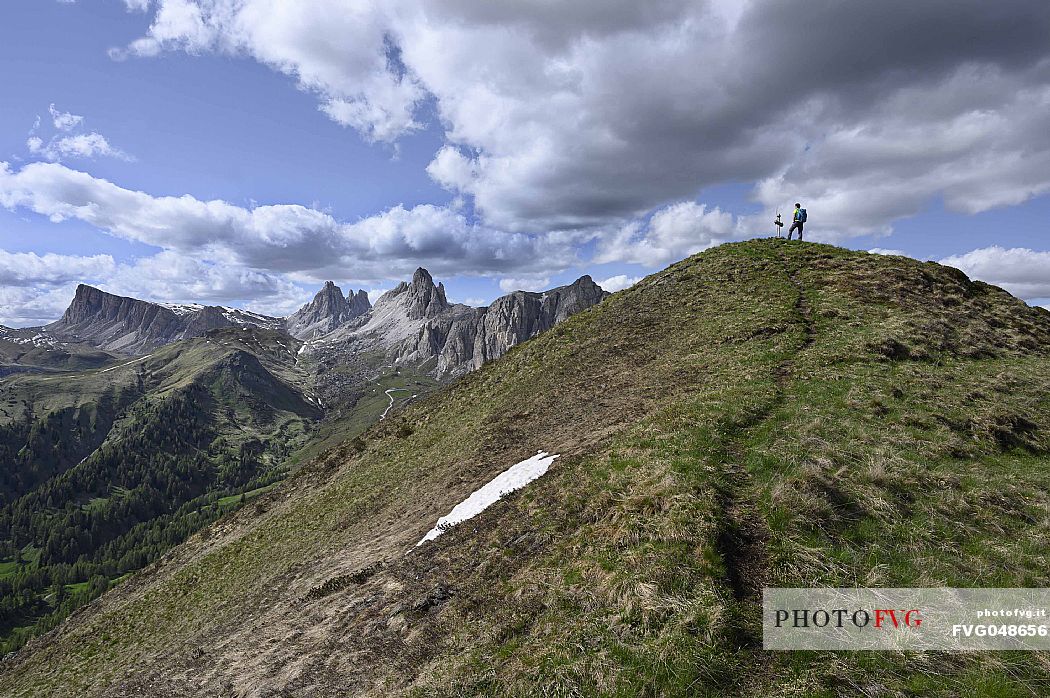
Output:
x=802 y=215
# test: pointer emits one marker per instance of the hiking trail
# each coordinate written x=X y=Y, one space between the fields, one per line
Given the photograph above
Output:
x=742 y=534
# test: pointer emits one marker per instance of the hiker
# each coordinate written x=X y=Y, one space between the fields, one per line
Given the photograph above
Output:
x=798 y=221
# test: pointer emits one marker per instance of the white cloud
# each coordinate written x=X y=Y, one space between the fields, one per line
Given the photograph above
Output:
x=29 y=268
x=535 y=283
x=83 y=145
x=25 y=306
x=343 y=52
x=284 y=238
x=375 y=294
x=858 y=178
x=884 y=251
x=35 y=288
x=672 y=233
x=168 y=276
x=64 y=121
x=65 y=144
x=1021 y=271
x=451 y=169
x=619 y=282
x=593 y=114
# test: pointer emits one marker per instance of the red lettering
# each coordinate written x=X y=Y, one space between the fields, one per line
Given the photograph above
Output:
x=881 y=613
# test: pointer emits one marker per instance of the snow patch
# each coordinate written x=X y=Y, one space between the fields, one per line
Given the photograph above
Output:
x=239 y=316
x=513 y=478
x=39 y=339
x=183 y=308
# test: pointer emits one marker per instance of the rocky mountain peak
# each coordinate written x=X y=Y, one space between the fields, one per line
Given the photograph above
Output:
x=89 y=302
x=422 y=278
x=426 y=299
x=359 y=303
x=210 y=317
x=328 y=309
x=464 y=341
x=418 y=299
x=115 y=322
x=330 y=298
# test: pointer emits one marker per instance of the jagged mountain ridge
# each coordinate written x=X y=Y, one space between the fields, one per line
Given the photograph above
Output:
x=131 y=326
x=464 y=341
x=414 y=323
x=328 y=310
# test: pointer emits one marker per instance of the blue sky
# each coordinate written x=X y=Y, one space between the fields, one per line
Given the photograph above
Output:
x=243 y=152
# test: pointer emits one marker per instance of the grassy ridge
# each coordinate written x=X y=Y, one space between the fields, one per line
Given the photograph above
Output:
x=763 y=414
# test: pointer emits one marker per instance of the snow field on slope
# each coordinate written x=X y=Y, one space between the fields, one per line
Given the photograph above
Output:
x=513 y=478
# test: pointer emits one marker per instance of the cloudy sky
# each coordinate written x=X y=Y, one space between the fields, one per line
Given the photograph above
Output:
x=241 y=152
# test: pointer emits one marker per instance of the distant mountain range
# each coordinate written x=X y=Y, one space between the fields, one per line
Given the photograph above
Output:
x=131 y=326
x=412 y=322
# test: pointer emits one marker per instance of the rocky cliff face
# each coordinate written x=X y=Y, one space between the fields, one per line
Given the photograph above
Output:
x=463 y=341
x=131 y=326
x=420 y=298
x=116 y=323
x=359 y=303
x=207 y=318
x=400 y=312
x=327 y=311
x=413 y=322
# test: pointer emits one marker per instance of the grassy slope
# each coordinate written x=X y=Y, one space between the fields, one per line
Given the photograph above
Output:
x=165 y=371
x=761 y=414
x=18 y=356
x=368 y=403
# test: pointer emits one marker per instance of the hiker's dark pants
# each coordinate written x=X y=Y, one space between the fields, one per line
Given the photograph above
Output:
x=796 y=224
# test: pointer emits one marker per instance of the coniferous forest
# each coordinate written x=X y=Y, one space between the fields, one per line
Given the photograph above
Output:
x=92 y=492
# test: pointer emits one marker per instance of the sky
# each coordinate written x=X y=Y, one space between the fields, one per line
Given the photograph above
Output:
x=242 y=152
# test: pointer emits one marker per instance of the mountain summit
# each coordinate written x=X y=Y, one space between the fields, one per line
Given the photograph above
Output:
x=419 y=298
x=116 y=323
x=328 y=310
x=761 y=414
x=131 y=326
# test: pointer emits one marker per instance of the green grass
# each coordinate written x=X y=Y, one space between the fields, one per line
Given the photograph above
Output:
x=30 y=557
x=77 y=588
x=234 y=499
x=368 y=408
x=8 y=567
